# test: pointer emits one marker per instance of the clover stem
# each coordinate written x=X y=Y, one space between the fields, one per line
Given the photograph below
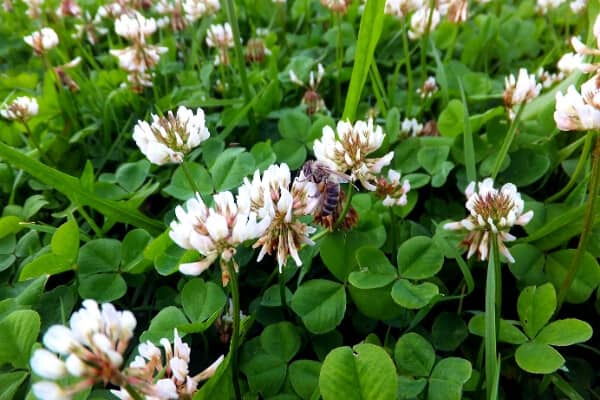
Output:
x=235 y=335
x=492 y=313
x=409 y=74
x=508 y=139
x=342 y=216
x=133 y=393
x=282 y=292
x=339 y=54
x=588 y=223
x=188 y=174
x=587 y=145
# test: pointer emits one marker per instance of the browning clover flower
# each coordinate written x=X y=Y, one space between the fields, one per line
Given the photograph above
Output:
x=42 y=40
x=493 y=213
x=93 y=347
x=214 y=232
x=519 y=91
x=170 y=138
x=347 y=149
x=455 y=11
x=279 y=209
x=391 y=190
x=311 y=99
x=20 y=109
x=428 y=89
x=168 y=379
x=338 y=6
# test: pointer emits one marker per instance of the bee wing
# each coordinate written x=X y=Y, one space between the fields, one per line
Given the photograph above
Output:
x=340 y=177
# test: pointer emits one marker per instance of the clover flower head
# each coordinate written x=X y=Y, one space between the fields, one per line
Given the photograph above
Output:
x=20 y=109
x=578 y=6
x=569 y=62
x=391 y=190
x=42 y=40
x=519 y=91
x=419 y=22
x=196 y=9
x=347 y=148
x=92 y=347
x=214 y=232
x=543 y=6
x=279 y=207
x=577 y=112
x=169 y=138
x=401 y=8
x=256 y=50
x=548 y=79
x=492 y=213
x=68 y=8
x=135 y=26
x=429 y=88
x=34 y=8
x=219 y=36
x=173 y=370
x=311 y=99
x=338 y=6
x=411 y=127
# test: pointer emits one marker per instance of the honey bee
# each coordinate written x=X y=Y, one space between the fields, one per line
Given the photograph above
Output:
x=328 y=183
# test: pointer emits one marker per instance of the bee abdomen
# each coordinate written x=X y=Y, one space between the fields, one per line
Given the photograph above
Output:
x=331 y=196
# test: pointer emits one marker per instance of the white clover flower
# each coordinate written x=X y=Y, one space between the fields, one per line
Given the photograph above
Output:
x=20 y=109
x=34 y=8
x=135 y=26
x=519 y=91
x=175 y=382
x=311 y=99
x=401 y=8
x=347 y=148
x=93 y=346
x=42 y=40
x=68 y=8
x=411 y=127
x=219 y=36
x=456 y=11
x=543 y=6
x=569 y=62
x=339 y=6
x=578 y=6
x=575 y=112
x=391 y=190
x=429 y=88
x=419 y=22
x=196 y=9
x=169 y=139
x=214 y=232
x=278 y=207
x=492 y=213
x=548 y=79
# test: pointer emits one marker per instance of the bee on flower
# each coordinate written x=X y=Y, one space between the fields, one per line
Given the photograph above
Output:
x=519 y=91
x=220 y=37
x=43 y=40
x=279 y=207
x=492 y=213
x=168 y=377
x=346 y=149
x=214 y=232
x=20 y=109
x=312 y=99
x=169 y=139
x=92 y=347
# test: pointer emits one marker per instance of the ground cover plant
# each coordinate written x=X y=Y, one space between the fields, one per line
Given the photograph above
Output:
x=336 y=199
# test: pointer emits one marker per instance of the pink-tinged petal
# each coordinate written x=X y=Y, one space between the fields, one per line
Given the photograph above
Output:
x=504 y=251
x=198 y=267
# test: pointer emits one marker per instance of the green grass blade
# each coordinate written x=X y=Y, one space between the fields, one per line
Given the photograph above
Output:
x=371 y=25
x=490 y=320
x=71 y=187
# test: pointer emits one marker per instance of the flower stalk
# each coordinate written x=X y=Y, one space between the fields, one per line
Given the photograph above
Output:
x=508 y=139
x=492 y=313
x=235 y=335
x=587 y=145
x=133 y=393
x=587 y=222
x=188 y=174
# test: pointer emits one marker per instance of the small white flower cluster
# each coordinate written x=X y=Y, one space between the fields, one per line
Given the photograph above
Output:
x=93 y=347
x=337 y=6
x=424 y=18
x=392 y=191
x=578 y=6
x=581 y=111
x=140 y=57
x=214 y=232
x=90 y=28
x=43 y=40
x=570 y=62
x=429 y=88
x=68 y=8
x=401 y=8
x=34 y=8
x=311 y=99
x=220 y=37
x=548 y=79
x=278 y=207
x=180 y=13
x=347 y=148
x=519 y=91
x=411 y=127
x=168 y=379
x=543 y=6
x=492 y=213
x=170 y=138
x=20 y=109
